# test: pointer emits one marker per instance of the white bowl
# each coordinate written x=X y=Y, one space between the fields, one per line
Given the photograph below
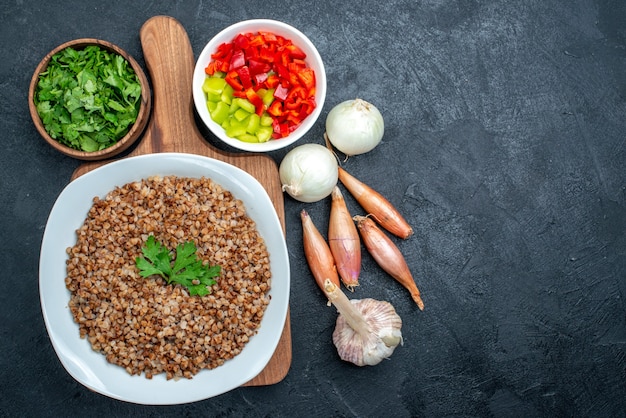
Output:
x=91 y=368
x=313 y=59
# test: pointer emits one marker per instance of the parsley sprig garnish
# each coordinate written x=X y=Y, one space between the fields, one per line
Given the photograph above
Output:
x=186 y=269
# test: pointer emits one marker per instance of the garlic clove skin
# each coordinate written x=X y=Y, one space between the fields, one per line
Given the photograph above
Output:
x=383 y=336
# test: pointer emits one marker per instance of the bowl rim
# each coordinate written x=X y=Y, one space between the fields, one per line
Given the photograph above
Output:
x=199 y=75
x=136 y=129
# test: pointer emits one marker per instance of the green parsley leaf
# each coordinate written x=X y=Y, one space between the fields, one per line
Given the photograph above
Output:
x=92 y=86
x=186 y=269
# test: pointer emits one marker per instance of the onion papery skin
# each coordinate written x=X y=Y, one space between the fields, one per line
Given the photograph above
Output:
x=355 y=127
x=309 y=173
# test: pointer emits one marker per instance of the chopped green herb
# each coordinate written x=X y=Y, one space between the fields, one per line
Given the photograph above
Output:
x=88 y=99
x=186 y=269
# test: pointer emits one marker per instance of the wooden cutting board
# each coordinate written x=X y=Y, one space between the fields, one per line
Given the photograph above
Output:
x=172 y=128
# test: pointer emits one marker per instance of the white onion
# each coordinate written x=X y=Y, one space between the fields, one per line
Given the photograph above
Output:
x=355 y=127
x=309 y=172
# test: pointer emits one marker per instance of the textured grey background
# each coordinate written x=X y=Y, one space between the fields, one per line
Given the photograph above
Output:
x=505 y=145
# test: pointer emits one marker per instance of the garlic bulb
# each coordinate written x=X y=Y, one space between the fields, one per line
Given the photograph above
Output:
x=367 y=330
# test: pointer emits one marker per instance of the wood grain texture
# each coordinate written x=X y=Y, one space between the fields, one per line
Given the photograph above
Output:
x=172 y=128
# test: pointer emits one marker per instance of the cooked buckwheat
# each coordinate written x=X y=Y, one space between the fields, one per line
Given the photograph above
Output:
x=143 y=324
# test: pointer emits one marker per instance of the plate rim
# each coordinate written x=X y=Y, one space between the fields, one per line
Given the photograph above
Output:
x=77 y=367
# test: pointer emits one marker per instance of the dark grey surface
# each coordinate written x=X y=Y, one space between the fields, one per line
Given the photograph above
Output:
x=505 y=145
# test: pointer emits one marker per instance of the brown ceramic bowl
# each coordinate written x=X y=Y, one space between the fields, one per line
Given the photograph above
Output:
x=135 y=130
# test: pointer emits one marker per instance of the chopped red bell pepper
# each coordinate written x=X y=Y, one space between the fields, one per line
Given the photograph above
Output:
x=292 y=77
x=269 y=37
x=241 y=41
x=282 y=71
x=295 y=52
x=224 y=65
x=256 y=40
x=307 y=78
x=275 y=109
x=222 y=51
x=256 y=100
x=267 y=52
x=260 y=79
x=293 y=117
x=244 y=77
x=210 y=69
x=307 y=106
x=284 y=57
x=251 y=53
x=221 y=59
x=269 y=61
x=281 y=129
x=257 y=66
x=232 y=78
x=294 y=97
x=238 y=59
x=272 y=81
x=281 y=92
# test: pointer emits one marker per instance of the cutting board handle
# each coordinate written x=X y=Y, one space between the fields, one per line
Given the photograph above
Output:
x=170 y=62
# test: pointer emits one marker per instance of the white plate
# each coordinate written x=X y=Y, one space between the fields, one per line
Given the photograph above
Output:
x=91 y=368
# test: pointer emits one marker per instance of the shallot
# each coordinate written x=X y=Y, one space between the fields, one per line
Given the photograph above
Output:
x=343 y=239
x=317 y=253
x=388 y=256
x=376 y=205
